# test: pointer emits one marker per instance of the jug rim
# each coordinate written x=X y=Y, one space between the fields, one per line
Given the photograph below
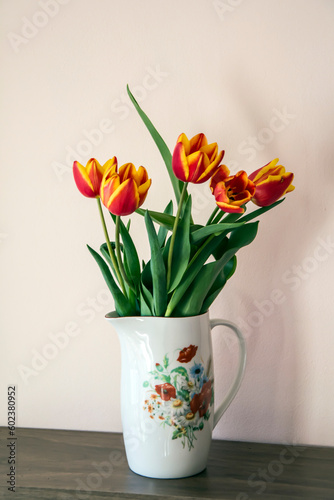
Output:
x=114 y=315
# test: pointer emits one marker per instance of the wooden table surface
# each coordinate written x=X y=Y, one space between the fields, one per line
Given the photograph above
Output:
x=65 y=465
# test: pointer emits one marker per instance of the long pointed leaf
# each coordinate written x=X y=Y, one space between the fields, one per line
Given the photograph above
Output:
x=239 y=237
x=146 y=302
x=259 y=211
x=216 y=229
x=162 y=146
x=161 y=218
x=219 y=283
x=130 y=254
x=122 y=304
x=191 y=273
x=181 y=251
x=158 y=270
x=162 y=233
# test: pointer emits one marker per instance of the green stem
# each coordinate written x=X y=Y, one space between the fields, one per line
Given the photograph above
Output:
x=119 y=255
x=172 y=241
x=212 y=216
x=219 y=216
x=111 y=251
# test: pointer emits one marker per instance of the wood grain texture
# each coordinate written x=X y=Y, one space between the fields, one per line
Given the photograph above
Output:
x=66 y=465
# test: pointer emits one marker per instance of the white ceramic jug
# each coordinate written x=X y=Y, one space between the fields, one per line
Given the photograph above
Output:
x=167 y=392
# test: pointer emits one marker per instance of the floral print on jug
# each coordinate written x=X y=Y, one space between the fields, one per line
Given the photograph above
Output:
x=180 y=395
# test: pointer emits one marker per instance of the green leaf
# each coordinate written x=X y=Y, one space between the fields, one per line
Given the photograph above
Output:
x=216 y=229
x=184 y=394
x=193 y=269
x=146 y=277
x=207 y=415
x=181 y=251
x=219 y=283
x=163 y=230
x=260 y=211
x=146 y=301
x=162 y=146
x=158 y=270
x=181 y=370
x=164 y=219
x=122 y=304
x=176 y=434
x=192 y=301
x=130 y=254
x=105 y=252
x=228 y=218
x=164 y=378
x=166 y=361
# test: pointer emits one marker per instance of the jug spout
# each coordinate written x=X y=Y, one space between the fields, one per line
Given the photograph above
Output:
x=123 y=324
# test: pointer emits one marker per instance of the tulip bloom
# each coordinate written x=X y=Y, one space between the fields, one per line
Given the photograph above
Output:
x=88 y=179
x=231 y=191
x=195 y=160
x=272 y=182
x=123 y=192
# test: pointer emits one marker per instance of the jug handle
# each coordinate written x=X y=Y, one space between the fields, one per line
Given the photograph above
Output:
x=242 y=363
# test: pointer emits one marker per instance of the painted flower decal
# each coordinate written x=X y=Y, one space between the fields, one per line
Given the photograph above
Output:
x=183 y=400
x=187 y=354
x=197 y=371
x=166 y=391
x=200 y=402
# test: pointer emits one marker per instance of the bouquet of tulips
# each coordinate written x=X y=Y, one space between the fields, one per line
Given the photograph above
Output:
x=190 y=263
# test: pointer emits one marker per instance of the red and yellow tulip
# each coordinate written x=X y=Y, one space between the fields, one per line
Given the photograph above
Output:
x=88 y=179
x=124 y=191
x=272 y=182
x=231 y=191
x=195 y=160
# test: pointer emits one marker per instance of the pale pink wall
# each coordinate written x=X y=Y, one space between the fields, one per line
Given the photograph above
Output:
x=255 y=76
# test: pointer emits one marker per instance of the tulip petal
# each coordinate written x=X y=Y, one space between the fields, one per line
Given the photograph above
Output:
x=211 y=150
x=263 y=172
x=110 y=164
x=195 y=162
x=127 y=171
x=211 y=169
x=221 y=175
x=230 y=209
x=142 y=191
x=237 y=182
x=108 y=187
x=94 y=171
x=197 y=142
x=180 y=163
x=83 y=181
x=272 y=189
x=185 y=141
x=290 y=188
x=125 y=200
x=142 y=176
